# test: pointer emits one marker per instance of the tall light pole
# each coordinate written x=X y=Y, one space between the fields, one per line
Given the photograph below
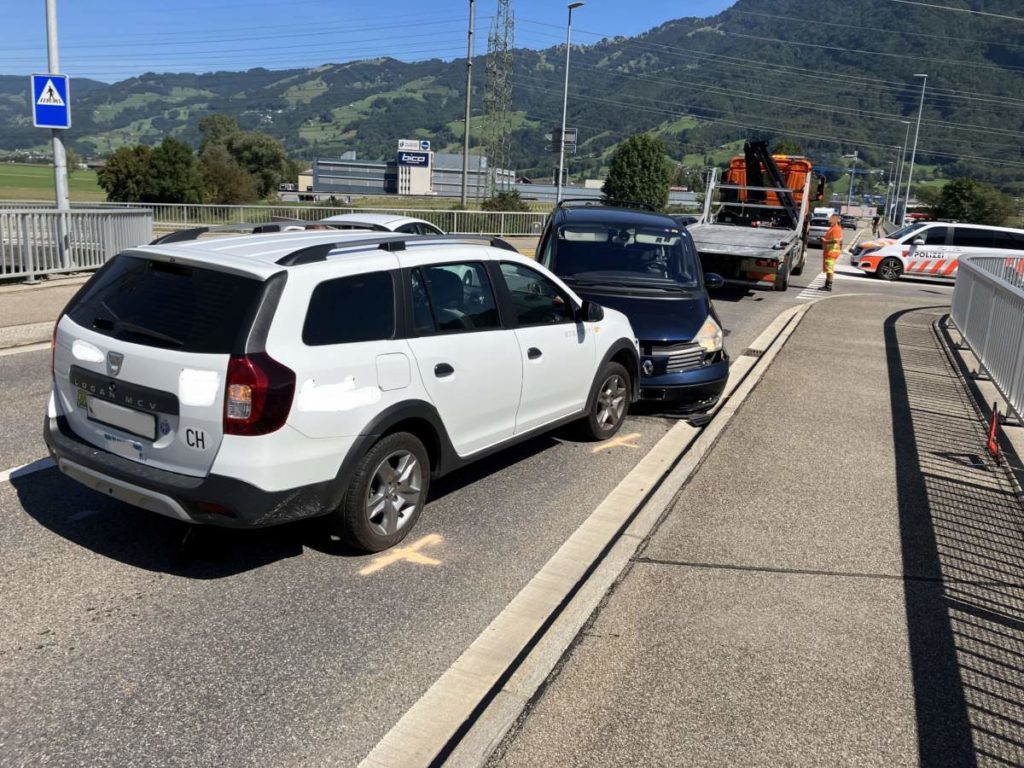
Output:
x=913 y=153
x=565 y=102
x=469 y=103
x=853 y=170
x=899 y=174
x=888 y=188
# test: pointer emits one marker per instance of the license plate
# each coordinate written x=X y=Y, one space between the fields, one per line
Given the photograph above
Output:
x=136 y=422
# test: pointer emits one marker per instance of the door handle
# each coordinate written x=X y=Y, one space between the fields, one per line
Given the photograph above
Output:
x=533 y=353
x=441 y=370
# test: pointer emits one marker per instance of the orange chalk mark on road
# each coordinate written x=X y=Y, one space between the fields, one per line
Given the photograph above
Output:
x=624 y=441
x=410 y=554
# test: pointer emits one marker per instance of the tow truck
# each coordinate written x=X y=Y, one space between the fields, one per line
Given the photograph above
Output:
x=754 y=224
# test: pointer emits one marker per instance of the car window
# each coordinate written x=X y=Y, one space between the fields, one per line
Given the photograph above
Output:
x=409 y=229
x=351 y=309
x=453 y=297
x=968 y=237
x=167 y=305
x=429 y=229
x=610 y=253
x=1008 y=241
x=536 y=299
x=934 y=235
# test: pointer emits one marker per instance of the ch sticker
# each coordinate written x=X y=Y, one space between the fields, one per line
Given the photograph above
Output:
x=195 y=438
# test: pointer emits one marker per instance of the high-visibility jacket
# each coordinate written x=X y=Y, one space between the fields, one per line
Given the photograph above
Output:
x=832 y=242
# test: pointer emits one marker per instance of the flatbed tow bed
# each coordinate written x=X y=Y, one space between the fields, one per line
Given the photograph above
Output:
x=729 y=245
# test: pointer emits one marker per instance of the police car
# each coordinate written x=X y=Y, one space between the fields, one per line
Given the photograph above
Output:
x=933 y=249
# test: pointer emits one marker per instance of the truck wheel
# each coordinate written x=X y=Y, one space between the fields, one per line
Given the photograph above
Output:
x=782 y=276
x=799 y=268
x=890 y=269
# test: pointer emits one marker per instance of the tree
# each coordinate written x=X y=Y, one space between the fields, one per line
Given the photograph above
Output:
x=224 y=180
x=973 y=202
x=639 y=172
x=72 y=159
x=125 y=177
x=508 y=200
x=216 y=129
x=174 y=174
x=263 y=157
x=787 y=147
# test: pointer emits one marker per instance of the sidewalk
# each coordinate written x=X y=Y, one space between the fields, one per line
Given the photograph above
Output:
x=841 y=583
x=28 y=312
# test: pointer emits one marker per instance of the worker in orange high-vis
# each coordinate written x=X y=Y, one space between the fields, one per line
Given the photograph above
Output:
x=831 y=247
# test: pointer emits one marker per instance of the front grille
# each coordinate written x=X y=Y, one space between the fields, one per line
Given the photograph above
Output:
x=676 y=357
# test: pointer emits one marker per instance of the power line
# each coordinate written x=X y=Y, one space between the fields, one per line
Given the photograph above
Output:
x=959 y=10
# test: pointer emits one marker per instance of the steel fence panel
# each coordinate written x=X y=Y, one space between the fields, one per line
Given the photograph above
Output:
x=988 y=310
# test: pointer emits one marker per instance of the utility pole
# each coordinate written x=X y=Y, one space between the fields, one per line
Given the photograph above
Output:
x=888 y=189
x=565 y=103
x=469 y=103
x=913 y=153
x=60 y=160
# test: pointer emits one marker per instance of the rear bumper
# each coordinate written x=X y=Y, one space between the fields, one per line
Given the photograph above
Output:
x=176 y=495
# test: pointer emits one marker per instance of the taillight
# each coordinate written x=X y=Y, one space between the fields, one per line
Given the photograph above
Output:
x=258 y=395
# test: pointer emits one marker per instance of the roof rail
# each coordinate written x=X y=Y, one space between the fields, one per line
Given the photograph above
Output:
x=584 y=202
x=194 y=233
x=392 y=242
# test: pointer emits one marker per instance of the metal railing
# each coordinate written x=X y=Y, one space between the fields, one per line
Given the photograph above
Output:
x=170 y=216
x=988 y=309
x=38 y=241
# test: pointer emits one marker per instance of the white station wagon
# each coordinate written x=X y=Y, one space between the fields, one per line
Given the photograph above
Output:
x=254 y=380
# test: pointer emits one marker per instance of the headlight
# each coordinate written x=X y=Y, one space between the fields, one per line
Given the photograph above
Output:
x=710 y=336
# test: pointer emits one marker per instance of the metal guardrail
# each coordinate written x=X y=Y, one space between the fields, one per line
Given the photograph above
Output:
x=169 y=216
x=988 y=309
x=39 y=241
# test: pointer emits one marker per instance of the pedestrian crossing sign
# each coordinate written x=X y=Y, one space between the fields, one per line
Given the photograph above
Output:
x=51 y=105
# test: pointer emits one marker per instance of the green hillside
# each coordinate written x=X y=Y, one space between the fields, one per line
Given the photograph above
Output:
x=829 y=75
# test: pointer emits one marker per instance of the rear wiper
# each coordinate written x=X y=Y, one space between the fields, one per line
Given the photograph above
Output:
x=124 y=325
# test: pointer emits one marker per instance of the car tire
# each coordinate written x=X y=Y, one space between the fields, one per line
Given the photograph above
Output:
x=386 y=494
x=782 y=276
x=609 y=403
x=889 y=269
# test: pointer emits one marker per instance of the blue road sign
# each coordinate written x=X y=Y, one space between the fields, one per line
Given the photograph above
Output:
x=51 y=101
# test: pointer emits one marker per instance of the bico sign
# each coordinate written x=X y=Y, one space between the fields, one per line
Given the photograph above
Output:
x=420 y=159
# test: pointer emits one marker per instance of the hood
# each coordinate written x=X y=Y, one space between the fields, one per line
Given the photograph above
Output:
x=871 y=245
x=667 y=319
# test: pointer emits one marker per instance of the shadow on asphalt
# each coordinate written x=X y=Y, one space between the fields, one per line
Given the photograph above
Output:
x=961 y=534
x=152 y=542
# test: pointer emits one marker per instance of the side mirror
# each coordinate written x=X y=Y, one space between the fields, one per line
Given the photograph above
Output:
x=918 y=241
x=590 y=312
x=714 y=281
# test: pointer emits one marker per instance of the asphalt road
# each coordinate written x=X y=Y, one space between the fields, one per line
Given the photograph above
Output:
x=118 y=645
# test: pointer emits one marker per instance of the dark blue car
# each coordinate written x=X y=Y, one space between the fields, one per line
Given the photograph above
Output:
x=645 y=265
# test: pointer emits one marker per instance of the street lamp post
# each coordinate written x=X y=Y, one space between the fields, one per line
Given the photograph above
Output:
x=899 y=173
x=913 y=153
x=853 y=170
x=565 y=102
x=888 y=188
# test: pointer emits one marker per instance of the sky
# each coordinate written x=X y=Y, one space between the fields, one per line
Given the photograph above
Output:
x=111 y=40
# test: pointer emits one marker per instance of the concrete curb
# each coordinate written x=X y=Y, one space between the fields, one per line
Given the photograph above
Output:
x=466 y=713
x=56 y=282
x=22 y=335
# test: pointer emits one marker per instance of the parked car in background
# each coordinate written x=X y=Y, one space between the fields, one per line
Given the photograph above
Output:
x=933 y=249
x=848 y=222
x=645 y=265
x=256 y=380
x=382 y=222
x=816 y=229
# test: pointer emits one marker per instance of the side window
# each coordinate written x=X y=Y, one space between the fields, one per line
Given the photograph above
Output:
x=536 y=300
x=453 y=297
x=1008 y=241
x=429 y=229
x=409 y=229
x=935 y=236
x=351 y=309
x=967 y=237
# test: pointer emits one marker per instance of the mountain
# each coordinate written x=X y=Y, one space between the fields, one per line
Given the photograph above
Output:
x=829 y=75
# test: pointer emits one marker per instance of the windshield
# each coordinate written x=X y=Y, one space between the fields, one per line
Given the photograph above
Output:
x=820 y=223
x=606 y=253
x=904 y=231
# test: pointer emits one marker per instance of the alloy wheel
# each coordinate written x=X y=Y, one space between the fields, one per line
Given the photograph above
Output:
x=395 y=491
x=611 y=402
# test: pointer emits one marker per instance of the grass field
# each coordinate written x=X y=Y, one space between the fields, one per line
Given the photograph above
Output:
x=35 y=182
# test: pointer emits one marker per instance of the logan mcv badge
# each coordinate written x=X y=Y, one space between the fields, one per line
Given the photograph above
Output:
x=114 y=362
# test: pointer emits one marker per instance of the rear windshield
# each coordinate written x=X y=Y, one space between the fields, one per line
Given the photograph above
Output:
x=171 y=306
x=819 y=222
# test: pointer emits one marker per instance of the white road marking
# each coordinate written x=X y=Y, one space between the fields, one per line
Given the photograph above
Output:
x=812 y=290
x=26 y=469
x=25 y=348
